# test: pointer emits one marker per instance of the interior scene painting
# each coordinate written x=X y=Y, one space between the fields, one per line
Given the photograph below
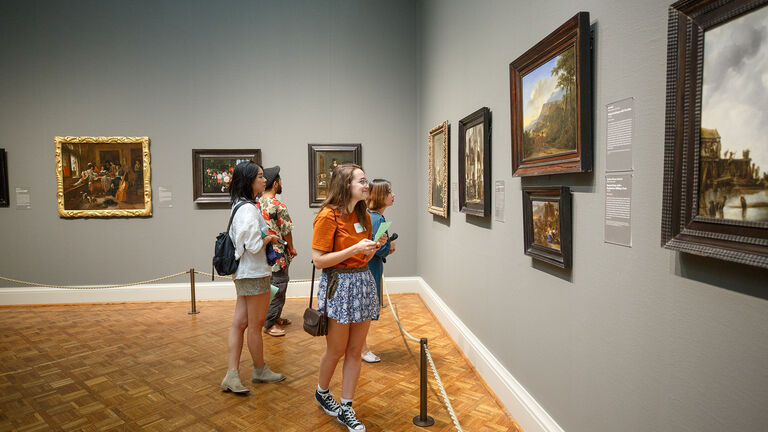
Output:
x=473 y=161
x=99 y=177
x=549 y=107
x=546 y=224
x=733 y=168
x=438 y=169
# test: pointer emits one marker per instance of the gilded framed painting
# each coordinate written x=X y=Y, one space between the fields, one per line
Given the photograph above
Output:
x=715 y=198
x=550 y=89
x=439 y=176
x=475 y=163
x=323 y=159
x=547 y=225
x=103 y=176
x=5 y=200
x=212 y=172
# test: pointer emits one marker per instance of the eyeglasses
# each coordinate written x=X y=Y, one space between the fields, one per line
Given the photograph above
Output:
x=363 y=181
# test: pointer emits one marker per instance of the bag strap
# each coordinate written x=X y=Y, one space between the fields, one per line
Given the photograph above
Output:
x=237 y=207
x=312 y=284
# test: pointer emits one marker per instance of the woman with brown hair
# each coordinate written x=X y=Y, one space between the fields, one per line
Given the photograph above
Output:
x=379 y=198
x=342 y=247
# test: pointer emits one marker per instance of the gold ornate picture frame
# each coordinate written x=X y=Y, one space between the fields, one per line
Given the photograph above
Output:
x=438 y=170
x=103 y=176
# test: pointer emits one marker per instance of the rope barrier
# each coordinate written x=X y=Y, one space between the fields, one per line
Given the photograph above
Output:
x=87 y=287
x=447 y=402
x=94 y=286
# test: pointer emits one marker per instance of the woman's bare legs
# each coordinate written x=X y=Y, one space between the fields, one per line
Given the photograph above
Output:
x=256 y=306
x=343 y=340
x=235 y=340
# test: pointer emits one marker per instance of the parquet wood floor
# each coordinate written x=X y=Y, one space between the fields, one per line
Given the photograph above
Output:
x=151 y=366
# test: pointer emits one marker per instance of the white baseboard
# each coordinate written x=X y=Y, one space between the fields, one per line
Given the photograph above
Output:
x=204 y=290
x=520 y=404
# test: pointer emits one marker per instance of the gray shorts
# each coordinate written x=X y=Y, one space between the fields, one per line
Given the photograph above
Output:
x=252 y=286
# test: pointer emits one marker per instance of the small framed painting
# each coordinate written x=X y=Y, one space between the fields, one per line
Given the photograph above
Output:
x=323 y=159
x=475 y=163
x=103 y=176
x=550 y=88
x=547 y=228
x=439 y=163
x=715 y=199
x=212 y=172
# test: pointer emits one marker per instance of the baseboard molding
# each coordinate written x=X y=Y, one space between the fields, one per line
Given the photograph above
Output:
x=520 y=404
x=204 y=290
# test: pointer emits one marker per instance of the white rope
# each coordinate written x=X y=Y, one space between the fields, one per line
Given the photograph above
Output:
x=94 y=286
x=447 y=402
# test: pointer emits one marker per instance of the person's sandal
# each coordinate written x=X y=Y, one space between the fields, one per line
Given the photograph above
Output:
x=370 y=357
x=283 y=321
x=276 y=332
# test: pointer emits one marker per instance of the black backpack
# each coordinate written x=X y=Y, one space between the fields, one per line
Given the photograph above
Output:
x=224 y=252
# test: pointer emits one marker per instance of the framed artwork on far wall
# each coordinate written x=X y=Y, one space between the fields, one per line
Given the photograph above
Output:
x=212 y=172
x=5 y=200
x=439 y=164
x=547 y=226
x=715 y=198
x=103 y=176
x=550 y=89
x=475 y=163
x=323 y=159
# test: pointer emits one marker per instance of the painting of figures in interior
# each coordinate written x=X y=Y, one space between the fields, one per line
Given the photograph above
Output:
x=546 y=224
x=733 y=165
x=549 y=107
x=103 y=176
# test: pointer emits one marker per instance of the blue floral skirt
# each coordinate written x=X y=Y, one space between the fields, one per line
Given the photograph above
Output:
x=355 y=299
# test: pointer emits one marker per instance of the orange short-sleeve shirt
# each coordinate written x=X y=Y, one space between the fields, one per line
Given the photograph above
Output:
x=333 y=234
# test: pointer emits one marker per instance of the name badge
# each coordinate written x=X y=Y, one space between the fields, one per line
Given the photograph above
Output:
x=359 y=228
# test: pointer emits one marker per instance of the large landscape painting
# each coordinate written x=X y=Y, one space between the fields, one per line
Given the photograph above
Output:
x=549 y=107
x=733 y=168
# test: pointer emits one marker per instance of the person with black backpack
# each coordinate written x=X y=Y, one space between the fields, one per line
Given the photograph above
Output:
x=248 y=232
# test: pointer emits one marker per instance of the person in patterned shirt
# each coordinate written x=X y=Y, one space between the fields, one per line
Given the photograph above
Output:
x=280 y=224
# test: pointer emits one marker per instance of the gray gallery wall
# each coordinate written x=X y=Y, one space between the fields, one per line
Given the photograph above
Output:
x=631 y=339
x=272 y=75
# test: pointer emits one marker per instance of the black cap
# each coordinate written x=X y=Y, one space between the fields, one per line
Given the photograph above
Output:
x=270 y=174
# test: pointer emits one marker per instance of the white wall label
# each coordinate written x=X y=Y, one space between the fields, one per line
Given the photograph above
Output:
x=165 y=197
x=618 y=209
x=23 y=198
x=620 y=129
x=499 y=200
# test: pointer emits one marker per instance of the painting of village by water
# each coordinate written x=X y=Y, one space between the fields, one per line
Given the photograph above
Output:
x=546 y=223
x=549 y=107
x=733 y=168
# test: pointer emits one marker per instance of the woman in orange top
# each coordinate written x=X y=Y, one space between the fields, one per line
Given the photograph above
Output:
x=341 y=247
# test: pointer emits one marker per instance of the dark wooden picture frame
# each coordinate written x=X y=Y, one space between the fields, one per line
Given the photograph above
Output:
x=219 y=161
x=683 y=228
x=325 y=155
x=5 y=200
x=573 y=34
x=481 y=169
x=438 y=179
x=557 y=229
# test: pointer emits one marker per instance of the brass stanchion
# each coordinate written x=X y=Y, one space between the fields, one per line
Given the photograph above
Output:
x=192 y=289
x=423 y=419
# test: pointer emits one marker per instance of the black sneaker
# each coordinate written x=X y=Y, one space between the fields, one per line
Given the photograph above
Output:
x=347 y=418
x=327 y=403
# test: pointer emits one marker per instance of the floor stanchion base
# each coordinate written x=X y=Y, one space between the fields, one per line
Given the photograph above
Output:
x=195 y=312
x=427 y=422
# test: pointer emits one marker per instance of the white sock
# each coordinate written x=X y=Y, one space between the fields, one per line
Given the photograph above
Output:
x=346 y=401
x=319 y=389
